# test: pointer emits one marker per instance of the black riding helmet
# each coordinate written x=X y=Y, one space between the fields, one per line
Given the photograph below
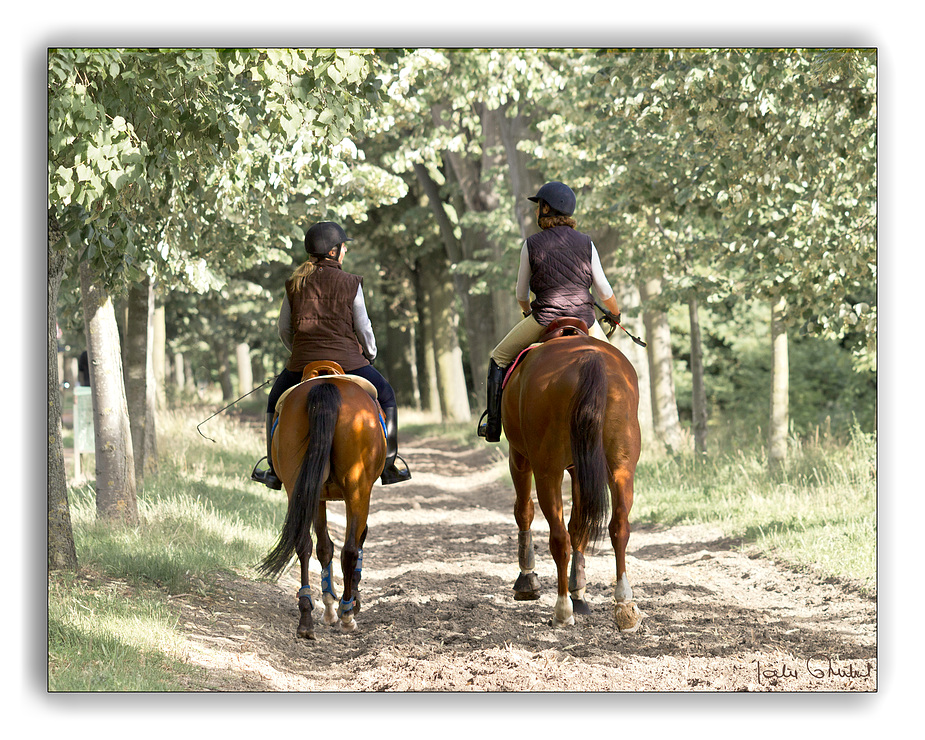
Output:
x=558 y=195
x=323 y=237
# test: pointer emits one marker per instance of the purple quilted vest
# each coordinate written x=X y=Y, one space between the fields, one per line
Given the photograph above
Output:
x=560 y=275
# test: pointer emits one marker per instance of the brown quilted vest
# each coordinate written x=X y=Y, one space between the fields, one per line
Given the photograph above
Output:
x=560 y=275
x=322 y=319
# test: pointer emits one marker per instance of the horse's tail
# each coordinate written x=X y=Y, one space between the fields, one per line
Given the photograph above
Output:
x=323 y=405
x=586 y=415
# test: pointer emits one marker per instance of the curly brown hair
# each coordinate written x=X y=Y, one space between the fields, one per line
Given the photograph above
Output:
x=547 y=222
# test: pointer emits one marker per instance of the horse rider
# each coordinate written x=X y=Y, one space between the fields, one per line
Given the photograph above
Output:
x=323 y=317
x=560 y=265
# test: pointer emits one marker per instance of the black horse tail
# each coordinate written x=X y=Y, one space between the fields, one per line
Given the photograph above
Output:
x=586 y=414
x=323 y=405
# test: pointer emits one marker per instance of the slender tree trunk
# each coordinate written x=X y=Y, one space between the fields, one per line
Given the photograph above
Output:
x=780 y=388
x=140 y=388
x=160 y=355
x=245 y=372
x=664 y=402
x=180 y=372
x=427 y=355
x=627 y=295
x=115 y=463
x=454 y=400
x=61 y=551
x=699 y=401
x=524 y=180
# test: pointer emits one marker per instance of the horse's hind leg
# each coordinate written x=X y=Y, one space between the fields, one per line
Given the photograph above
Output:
x=549 y=494
x=527 y=585
x=576 y=576
x=325 y=552
x=306 y=628
x=626 y=613
x=357 y=512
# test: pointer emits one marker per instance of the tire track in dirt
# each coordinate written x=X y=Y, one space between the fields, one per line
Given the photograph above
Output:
x=438 y=613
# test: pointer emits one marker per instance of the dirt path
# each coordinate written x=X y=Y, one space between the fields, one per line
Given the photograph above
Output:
x=438 y=614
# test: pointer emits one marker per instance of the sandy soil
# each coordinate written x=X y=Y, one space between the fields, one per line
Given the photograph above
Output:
x=438 y=613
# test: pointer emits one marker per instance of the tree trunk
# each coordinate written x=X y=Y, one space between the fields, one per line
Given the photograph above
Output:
x=524 y=181
x=699 y=395
x=664 y=403
x=179 y=372
x=628 y=297
x=115 y=464
x=245 y=371
x=451 y=384
x=427 y=355
x=780 y=388
x=61 y=551
x=160 y=355
x=140 y=388
x=476 y=309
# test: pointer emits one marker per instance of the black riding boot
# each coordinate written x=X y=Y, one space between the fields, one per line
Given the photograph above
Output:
x=491 y=429
x=268 y=476
x=391 y=473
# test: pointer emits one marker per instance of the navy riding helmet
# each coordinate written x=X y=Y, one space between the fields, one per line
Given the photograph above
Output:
x=558 y=195
x=323 y=237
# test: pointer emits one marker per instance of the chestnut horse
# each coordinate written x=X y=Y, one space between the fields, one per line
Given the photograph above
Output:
x=328 y=445
x=571 y=404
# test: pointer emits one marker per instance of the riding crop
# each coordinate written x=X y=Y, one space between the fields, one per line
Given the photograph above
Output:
x=614 y=321
x=228 y=407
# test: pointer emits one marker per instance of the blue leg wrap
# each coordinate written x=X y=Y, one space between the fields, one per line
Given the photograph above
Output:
x=306 y=593
x=346 y=606
x=358 y=570
x=327 y=582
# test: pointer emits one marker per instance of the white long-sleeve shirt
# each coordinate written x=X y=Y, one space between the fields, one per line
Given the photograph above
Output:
x=361 y=325
x=599 y=280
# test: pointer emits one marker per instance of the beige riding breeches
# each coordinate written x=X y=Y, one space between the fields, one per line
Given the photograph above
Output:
x=526 y=333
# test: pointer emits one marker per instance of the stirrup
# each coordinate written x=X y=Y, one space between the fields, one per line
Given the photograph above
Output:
x=268 y=477
x=482 y=429
x=398 y=476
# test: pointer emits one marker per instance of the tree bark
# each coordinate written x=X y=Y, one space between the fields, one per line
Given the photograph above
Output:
x=627 y=295
x=451 y=383
x=115 y=464
x=699 y=395
x=664 y=402
x=427 y=355
x=780 y=388
x=62 y=554
x=140 y=387
x=524 y=180
x=160 y=355
x=245 y=371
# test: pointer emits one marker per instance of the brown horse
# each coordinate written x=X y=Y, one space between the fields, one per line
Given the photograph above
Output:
x=328 y=445
x=571 y=404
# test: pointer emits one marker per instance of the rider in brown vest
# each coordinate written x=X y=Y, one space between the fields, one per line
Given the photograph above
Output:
x=559 y=265
x=323 y=317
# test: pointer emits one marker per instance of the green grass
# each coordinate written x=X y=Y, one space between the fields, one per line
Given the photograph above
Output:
x=198 y=517
x=105 y=636
x=819 y=511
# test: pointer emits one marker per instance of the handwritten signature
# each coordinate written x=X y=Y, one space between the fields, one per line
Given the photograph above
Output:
x=816 y=666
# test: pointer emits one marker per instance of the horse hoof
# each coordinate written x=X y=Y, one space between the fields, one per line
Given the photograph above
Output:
x=348 y=625
x=567 y=623
x=527 y=587
x=627 y=616
x=580 y=607
x=305 y=633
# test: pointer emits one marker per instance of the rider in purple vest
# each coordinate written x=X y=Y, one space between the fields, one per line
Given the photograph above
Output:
x=323 y=317
x=560 y=266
